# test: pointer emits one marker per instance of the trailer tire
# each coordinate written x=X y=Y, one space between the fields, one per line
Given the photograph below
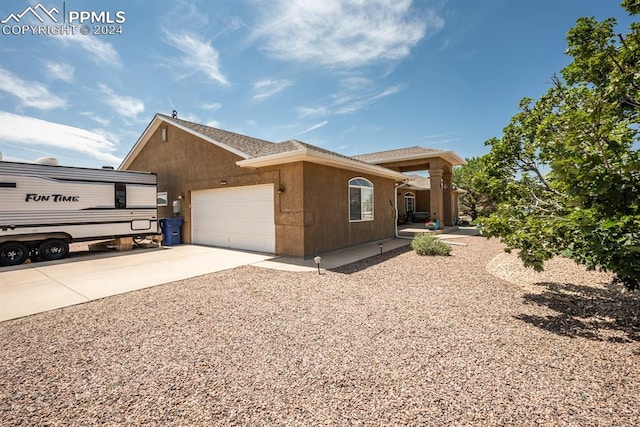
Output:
x=53 y=249
x=13 y=253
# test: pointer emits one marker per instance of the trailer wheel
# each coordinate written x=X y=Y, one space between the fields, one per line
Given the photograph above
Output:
x=13 y=253
x=53 y=249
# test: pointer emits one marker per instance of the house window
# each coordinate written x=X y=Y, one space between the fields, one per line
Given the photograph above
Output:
x=360 y=200
x=409 y=202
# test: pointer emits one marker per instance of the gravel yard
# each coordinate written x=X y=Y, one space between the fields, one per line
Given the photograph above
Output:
x=470 y=339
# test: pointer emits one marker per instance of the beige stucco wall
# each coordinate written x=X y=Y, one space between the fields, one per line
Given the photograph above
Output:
x=326 y=207
x=311 y=214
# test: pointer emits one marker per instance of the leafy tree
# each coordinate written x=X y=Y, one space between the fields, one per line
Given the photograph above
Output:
x=571 y=159
x=472 y=177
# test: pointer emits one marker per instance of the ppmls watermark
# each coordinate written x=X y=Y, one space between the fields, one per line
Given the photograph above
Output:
x=54 y=21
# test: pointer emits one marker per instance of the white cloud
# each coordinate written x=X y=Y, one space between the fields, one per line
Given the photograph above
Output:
x=267 y=87
x=60 y=71
x=19 y=129
x=215 y=106
x=314 y=127
x=198 y=55
x=100 y=52
x=348 y=102
x=124 y=105
x=343 y=33
x=356 y=82
x=101 y=120
x=351 y=104
x=31 y=94
x=312 y=111
x=213 y=124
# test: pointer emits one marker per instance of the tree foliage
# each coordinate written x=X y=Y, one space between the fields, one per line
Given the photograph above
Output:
x=473 y=179
x=570 y=161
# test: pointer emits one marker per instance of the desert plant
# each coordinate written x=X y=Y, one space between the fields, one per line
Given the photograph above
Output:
x=425 y=244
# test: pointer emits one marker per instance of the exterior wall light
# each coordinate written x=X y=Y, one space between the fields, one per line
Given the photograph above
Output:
x=223 y=182
x=281 y=188
x=317 y=261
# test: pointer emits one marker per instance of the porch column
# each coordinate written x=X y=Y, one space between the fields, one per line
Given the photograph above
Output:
x=447 y=196
x=456 y=212
x=436 y=199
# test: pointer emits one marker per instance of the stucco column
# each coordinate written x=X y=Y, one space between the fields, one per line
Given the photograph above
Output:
x=447 y=198
x=436 y=200
x=456 y=212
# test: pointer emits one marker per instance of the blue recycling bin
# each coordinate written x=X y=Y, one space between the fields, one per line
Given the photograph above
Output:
x=170 y=230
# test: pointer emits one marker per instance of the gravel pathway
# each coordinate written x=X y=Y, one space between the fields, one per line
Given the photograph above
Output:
x=394 y=340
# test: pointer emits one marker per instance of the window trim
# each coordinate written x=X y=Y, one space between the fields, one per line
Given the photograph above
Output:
x=354 y=184
x=409 y=195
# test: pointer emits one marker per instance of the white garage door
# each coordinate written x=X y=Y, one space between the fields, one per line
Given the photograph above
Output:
x=236 y=217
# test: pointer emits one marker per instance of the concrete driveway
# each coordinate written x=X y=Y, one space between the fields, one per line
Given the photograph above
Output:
x=35 y=288
x=38 y=287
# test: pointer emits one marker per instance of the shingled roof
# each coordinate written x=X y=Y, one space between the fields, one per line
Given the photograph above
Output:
x=252 y=147
x=396 y=155
x=425 y=154
x=259 y=152
x=417 y=182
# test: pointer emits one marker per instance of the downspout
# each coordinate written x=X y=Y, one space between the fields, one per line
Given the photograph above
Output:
x=395 y=205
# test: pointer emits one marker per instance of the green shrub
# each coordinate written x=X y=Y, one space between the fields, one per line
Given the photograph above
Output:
x=425 y=244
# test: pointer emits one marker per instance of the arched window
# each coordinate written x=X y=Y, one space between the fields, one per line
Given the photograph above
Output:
x=409 y=202
x=360 y=200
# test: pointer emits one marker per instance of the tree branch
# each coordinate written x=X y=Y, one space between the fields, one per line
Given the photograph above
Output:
x=624 y=43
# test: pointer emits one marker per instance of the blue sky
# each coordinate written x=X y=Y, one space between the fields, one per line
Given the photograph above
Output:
x=352 y=76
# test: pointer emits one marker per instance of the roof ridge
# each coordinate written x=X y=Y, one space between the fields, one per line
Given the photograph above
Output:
x=395 y=149
x=326 y=151
x=215 y=128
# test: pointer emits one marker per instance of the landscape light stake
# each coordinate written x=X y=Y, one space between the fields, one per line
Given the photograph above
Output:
x=317 y=261
x=380 y=244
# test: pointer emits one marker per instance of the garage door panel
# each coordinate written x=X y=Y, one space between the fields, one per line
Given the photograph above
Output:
x=238 y=217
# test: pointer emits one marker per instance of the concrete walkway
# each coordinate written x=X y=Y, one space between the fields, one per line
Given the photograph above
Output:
x=38 y=287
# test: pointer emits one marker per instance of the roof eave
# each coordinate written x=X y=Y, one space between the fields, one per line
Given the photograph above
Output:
x=449 y=156
x=306 y=155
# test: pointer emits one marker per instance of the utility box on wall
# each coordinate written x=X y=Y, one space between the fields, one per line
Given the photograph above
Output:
x=177 y=206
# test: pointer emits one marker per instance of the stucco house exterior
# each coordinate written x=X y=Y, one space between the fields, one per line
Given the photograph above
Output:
x=287 y=198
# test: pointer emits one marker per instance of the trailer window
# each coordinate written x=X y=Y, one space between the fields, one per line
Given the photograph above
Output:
x=121 y=196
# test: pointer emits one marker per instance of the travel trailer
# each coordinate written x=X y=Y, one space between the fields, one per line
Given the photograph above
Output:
x=44 y=207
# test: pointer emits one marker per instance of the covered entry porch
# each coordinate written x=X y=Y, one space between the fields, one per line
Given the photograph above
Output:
x=434 y=194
